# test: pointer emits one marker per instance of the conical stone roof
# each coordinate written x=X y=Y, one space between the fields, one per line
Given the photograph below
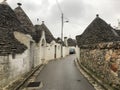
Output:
x=38 y=31
x=98 y=31
x=24 y=19
x=48 y=35
x=71 y=42
x=8 y=24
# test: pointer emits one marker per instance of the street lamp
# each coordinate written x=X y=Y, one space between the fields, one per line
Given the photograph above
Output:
x=62 y=25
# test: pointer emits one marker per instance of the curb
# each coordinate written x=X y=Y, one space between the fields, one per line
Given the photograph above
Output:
x=106 y=87
x=32 y=72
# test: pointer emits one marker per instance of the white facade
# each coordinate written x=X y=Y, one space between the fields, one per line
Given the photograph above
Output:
x=45 y=52
x=53 y=51
x=40 y=50
x=14 y=67
x=36 y=54
x=77 y=53
x=18 y=65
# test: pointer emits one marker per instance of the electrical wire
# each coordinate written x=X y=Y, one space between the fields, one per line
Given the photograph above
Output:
x=59 y=7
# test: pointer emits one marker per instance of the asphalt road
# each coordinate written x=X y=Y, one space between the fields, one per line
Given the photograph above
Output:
x=63 y=75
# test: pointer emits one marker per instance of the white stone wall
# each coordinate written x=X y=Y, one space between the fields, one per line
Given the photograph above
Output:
x=13 y=67
x=58 y=54
x=36 y=54
x=29 y=42
x=4 y=70
x=40 y=50
x=45 y=52
x=32 y=54
x=19 y=65
x=77 y=52
x=37 y=59
x=50 y=52
x=35 y=49
x=65 y=51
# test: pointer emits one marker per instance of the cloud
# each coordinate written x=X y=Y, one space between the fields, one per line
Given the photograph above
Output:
x=31 y=6
x=79 y=12
x=73 y=8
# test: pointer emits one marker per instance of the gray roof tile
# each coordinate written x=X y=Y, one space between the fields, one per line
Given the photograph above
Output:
x=98 y=31
x=8 y=24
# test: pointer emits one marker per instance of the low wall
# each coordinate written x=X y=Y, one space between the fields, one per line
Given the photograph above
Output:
x=103 y=60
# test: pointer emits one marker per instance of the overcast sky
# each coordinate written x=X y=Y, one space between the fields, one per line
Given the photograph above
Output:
x=80 y=13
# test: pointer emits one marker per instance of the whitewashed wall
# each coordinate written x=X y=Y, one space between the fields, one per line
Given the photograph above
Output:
x=77 y=52
x=50 y=52
x=40 y=50
x=65 y=51
x=13 y=67
x=37 y=56
x=27 y=41
x=58 y=54
x=19 y=65
x=4 y=71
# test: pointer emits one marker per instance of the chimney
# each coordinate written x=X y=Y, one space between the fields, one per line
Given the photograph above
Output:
x=19 y=4
x=97 y=15
x=42 y=22
x=65 y=41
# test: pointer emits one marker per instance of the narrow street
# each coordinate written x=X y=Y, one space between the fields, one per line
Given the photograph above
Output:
x=63 y=75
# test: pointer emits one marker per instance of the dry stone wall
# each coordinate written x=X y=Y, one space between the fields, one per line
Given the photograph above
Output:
x=103 y=60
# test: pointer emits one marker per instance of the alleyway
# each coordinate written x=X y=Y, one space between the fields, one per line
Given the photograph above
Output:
x=63 y=75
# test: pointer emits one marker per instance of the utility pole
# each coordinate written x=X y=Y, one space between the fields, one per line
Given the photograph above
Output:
x=62 y=24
